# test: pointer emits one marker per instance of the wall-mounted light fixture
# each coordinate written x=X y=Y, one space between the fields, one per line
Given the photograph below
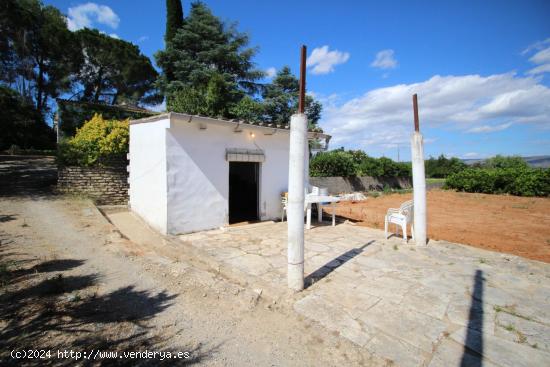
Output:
x=252 y=135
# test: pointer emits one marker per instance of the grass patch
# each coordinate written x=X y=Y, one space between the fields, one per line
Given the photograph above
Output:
x=395 y=247
x=511 y=310
x=510 y=327
x=521 y=337
x=482 y=261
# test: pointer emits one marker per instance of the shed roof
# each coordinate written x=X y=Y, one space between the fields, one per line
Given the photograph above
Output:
x=237 y=124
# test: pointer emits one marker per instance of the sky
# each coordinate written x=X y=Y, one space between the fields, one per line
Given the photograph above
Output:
x=481 y=69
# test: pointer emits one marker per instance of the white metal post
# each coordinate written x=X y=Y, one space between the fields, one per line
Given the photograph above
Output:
x=296 y=199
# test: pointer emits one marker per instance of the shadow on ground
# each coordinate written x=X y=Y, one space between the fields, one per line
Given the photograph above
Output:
x=473 y=345
x=334 y=264
x=44 y=307
x=27 y=176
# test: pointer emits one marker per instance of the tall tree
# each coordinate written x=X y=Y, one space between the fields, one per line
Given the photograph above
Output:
x=38 y=50
x=280 y=99
x=114 y=71
x=205 y=48
x=174 y=19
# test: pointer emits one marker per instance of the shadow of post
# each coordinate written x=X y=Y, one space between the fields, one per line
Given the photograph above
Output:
x=334 y=264
x=473 y=344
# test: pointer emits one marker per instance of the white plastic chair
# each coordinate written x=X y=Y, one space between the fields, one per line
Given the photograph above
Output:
x=401 y=217
x=284 y=203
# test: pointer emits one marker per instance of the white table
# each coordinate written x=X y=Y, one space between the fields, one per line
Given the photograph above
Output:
x=318 y=199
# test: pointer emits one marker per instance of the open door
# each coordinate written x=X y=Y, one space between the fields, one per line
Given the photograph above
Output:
x=243 y=191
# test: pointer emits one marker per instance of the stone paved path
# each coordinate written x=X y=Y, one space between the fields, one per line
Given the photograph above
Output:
x=440 y=305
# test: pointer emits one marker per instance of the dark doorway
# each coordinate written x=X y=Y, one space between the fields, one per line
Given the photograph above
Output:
x=243 y=191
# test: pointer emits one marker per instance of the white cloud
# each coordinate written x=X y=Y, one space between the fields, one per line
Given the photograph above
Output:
x=383 y=117
x=85 y=15
x=323 y=61
x=114 y=35
x=270 y=72
x=489 y=128
x=384 y=60
x=142 y=39
x=541 y=58
x=539 y=45
x=540 y=69
x=471 y=155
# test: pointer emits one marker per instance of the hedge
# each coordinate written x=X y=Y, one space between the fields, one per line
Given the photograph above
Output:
x=340 y=163
x=516 y=181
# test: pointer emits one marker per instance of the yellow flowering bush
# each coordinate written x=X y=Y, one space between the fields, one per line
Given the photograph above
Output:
x=96 y=140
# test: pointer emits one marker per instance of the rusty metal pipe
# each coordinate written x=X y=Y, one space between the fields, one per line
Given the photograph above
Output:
x=302 y=95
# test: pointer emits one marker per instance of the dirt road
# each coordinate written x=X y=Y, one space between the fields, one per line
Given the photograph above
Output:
x=68 y=282
x=511 y=224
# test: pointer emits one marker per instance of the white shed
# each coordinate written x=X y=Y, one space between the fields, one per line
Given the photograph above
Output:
x=191 y=173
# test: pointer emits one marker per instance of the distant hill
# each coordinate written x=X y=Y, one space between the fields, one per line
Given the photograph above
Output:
x=538 y=161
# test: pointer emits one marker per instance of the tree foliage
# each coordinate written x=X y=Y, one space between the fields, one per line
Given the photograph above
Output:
x=332 y=164
x=114 y=71
x=98 y=139
x=203 y=48
x=207 y=68
x=280 y=99
x=38 y=51
x=442 y=166
x=355 y=163
x=22 y=125
x=521 y=181
x=174 y=19
x=500 y=161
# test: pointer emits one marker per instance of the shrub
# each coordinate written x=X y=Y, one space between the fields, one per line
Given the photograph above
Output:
x=499 y=161
x=336 y=163
x=442 y=166
x=96 y=140
x=516 y=181
x=356 y=163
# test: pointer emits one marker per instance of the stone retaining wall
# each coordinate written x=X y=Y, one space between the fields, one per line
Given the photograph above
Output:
x=106 y=185
x=337 y=185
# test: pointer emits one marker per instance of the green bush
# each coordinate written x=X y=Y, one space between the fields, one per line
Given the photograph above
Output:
x=95 y=141
x=500 y=161
x=522 y=181
x=340 y=163
x=383 y=167
x=442 y=166
x=73 y=114
x=336 y=163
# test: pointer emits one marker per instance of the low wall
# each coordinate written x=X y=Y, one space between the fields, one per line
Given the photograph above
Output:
x=106 y=185
x=338 y=185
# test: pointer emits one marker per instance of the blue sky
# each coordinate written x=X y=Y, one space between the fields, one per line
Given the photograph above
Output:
x=481 y=68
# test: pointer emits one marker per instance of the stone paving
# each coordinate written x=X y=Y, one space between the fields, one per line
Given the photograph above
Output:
x=440 y=305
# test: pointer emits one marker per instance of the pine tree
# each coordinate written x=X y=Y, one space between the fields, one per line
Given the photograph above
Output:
x=174 y=19
x=210 y=57
x=280 y=99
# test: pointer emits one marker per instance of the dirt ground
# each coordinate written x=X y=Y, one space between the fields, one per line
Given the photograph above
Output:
x=510 y=224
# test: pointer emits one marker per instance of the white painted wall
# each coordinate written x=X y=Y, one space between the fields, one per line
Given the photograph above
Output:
x=148 y=172
x=198 y=173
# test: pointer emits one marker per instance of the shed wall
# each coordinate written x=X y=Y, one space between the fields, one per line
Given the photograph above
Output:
x=148 y=187
x=198 y=173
